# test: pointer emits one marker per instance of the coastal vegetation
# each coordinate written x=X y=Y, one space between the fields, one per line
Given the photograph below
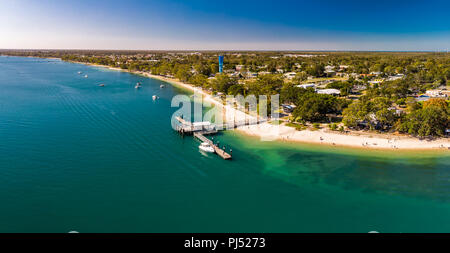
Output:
x=405 y=92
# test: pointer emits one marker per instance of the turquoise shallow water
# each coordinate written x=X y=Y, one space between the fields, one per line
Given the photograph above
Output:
x=75 y=156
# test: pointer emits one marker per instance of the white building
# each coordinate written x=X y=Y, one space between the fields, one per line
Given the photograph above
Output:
x=375 y=82
x=396 y=77
x=330 y=72
x=290 y=75
x=436 y=93
x=307 y=85
x=329 y=91
x=329 y=68
x=252 y=74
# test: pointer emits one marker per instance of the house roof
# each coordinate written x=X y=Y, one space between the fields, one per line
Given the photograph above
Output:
x=329 y=91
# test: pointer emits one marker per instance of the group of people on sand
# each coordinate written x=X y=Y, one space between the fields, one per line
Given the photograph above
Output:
x=321 y=139
x=365 y=144
x=442 y=146
x=392 y=141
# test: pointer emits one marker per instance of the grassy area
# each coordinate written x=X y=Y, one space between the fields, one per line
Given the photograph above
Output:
x=297 y=127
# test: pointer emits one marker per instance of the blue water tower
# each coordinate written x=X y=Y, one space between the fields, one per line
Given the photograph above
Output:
x=220 y=63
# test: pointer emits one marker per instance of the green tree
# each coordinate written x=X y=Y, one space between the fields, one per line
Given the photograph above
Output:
x=237 y=89
x=269 y=84
x=199 y=80
x=222 y=83
x=316 y=70
x=428 y=121
x=300 y=77
x=290 y=93
x=314 y=107
x=354 y=113
x=183 y=73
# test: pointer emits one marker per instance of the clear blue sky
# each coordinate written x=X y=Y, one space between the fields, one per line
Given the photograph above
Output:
x=227 y=25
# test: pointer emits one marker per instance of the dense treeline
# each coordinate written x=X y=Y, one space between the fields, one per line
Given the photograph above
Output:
x=389 y=105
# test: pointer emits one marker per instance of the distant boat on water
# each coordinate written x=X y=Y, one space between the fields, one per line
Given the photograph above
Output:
x=101 y=85
x=161 y=86
x=85 y=76
x=79 y=72
x=154 y=97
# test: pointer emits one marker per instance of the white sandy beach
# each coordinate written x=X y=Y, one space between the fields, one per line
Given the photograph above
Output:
x=352 y=139
x=270 y=132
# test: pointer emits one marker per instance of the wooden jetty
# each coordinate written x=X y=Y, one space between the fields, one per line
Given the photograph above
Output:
x=199 y=130
x=220 y=152
x=187 y=127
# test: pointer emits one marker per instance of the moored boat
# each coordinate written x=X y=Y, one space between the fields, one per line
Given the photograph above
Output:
x=206 y=147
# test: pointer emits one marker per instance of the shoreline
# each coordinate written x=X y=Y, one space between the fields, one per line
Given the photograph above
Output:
x=281 y=133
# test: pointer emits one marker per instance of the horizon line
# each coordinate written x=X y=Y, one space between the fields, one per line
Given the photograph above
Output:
x=226 y=50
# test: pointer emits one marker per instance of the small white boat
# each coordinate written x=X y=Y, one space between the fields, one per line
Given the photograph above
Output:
x=154 y=97
x=161 y=86
x=101 y=85
x=206 y=147
x=79 y=72
x=137 y=86
x=85 y=76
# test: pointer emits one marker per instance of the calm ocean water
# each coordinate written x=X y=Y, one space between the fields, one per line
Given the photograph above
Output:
x=75 y=156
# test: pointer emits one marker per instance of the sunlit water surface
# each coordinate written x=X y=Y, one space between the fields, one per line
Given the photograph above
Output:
x=76 y=156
